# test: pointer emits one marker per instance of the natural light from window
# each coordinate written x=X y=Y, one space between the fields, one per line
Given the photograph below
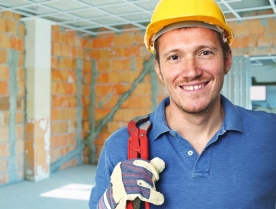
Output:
x=70 y=191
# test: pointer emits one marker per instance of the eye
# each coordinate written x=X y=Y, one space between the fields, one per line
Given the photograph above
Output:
x=206 y=53
x=173 y=57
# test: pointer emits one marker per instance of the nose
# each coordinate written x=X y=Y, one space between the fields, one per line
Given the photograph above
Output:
x=190 y=69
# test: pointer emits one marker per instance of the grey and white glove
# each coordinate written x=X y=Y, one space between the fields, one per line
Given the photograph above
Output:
x=133 y=180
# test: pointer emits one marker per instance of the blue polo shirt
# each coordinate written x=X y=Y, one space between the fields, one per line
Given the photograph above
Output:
x=236 y=170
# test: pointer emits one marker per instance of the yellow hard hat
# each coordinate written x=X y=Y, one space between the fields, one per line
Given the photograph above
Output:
x=168 y=12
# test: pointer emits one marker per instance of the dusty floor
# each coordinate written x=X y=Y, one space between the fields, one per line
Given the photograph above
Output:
x=68 y=189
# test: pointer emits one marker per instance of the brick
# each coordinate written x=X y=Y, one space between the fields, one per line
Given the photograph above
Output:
x=7 y=14
x=112 y=126
x=271 y=25
x=3 y=57
x=124 y=77
x=21 y=31
x=5 y=41
x=256 y=27
x=56 y=101
x=54 y=62
x=113 y=77
x=56 y=49
x=86 y=90
x=4 y=88
x=62 y=38
x=4 y=150
x=78 y=41
x=4 y=133
x=87 y=78
x=124 y=39
x=56 y=27
x=69 y=63
x=20 y=132
x=21 y=88
x=21 y=59
x=4 y=178
x=241 y=28
x=20 y=74
x=59 y=127
x=85 y=126
x=19 y=147
x=69 y=38
x=64 y=50
x=4 y=72
x=19 y=117
x=240 y=42
x=95 y=54
x=119 y=89
x=56 y=75
x=11 y=26
x=80 y=53
x=104 y=65
x=132 y=51
x=87 y=67
x=86 y=101
x=265 y=41
x=72 y=101
x=4 y=166
x=2 y=25
x=274 y=40
x=17 y=43
x=61 y=63
x=16 y=17
x=55 y=36
x=103 y=78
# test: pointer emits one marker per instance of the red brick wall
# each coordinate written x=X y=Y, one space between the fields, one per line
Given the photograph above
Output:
x=11 y=38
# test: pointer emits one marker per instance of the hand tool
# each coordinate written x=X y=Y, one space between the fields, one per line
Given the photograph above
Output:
x=138 y=129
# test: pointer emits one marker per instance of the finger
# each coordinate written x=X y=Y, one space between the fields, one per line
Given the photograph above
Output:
x=158 y=163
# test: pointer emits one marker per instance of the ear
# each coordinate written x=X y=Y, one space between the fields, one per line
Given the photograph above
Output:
x=228 y=62
x=158 y=71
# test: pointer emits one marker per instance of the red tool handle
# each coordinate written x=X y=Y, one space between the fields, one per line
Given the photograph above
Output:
x=138 y=144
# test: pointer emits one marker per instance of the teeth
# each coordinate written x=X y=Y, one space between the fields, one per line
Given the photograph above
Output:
x=192 y=88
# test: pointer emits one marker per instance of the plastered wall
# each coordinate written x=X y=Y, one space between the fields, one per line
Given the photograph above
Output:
x=97 y=85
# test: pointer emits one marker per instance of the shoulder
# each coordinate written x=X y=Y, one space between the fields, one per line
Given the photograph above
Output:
x=260 y=116
x=116 y=145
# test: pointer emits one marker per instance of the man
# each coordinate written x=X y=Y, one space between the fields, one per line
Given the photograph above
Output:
x=209 y=153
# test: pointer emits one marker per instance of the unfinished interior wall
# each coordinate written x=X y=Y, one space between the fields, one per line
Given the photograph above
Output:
x=12 y=93
x=125 y=84
x=68 y=122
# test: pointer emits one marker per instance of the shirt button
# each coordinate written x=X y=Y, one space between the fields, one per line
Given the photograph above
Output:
x=190 y=153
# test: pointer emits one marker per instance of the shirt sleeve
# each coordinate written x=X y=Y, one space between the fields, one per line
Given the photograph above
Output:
x=102 y=178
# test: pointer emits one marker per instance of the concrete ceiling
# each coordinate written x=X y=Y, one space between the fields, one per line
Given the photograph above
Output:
x=94 y=17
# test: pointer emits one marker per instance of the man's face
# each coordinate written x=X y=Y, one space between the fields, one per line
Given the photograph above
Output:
x=192 y=66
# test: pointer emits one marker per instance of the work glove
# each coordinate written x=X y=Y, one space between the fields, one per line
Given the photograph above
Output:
x=133 y=180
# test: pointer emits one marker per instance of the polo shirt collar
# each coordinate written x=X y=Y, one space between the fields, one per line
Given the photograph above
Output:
x=232 y=119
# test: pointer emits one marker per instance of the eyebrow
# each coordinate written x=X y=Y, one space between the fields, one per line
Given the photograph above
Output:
x=176 y=50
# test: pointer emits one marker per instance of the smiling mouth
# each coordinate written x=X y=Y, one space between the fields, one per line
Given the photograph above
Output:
x=194 y=87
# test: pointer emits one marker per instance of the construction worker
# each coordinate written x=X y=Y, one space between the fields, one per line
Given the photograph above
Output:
x=204 y=151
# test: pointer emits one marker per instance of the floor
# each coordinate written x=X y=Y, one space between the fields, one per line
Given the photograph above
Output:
x=68 y=189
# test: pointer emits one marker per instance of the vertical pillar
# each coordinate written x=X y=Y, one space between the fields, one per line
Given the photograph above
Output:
x=38 y=68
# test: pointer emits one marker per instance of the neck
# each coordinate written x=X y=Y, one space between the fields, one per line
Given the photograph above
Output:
x=199 y=128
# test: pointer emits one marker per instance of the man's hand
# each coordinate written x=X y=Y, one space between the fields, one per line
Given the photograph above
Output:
x=133 y=179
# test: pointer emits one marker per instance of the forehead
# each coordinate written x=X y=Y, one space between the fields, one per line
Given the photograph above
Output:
x=189 y=36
